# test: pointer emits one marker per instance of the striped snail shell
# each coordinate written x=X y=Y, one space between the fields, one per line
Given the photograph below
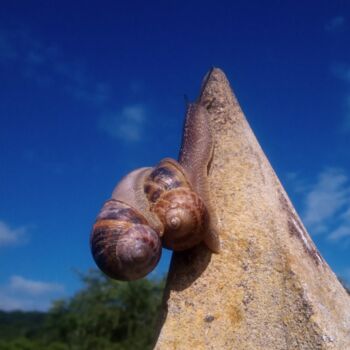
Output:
x=166 y=205
x=180 y=210
x=123 y=244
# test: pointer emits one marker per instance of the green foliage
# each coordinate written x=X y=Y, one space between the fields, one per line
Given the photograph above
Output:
x=105 y=314
x=20 y=324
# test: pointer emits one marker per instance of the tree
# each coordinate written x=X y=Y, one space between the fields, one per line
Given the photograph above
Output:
x=104 y=314
x=107 y=314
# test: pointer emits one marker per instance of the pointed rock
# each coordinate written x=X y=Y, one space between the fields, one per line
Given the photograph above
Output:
x=269 y=288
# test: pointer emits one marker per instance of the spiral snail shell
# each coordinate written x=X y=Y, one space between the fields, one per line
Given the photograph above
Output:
x=166 y=205
x=117 y=225
x=180 y=210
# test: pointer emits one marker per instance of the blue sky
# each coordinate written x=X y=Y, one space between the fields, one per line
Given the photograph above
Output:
x=90 y=91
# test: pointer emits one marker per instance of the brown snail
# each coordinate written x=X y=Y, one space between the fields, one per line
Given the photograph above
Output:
x=166 y=205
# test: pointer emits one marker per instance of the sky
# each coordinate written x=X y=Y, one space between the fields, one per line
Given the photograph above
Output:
x=92 y=90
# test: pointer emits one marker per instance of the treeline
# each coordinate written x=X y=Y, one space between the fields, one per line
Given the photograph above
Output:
x=104 y=315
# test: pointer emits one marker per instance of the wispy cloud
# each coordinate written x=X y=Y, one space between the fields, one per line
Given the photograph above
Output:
x=328 y=195
x=335 y=24
x=299 y=184
x=342 y=231
x=24 y=294
x=47 y=65
x=12 y=236
x=327 y=205
x=126 y=125
x=21 y=284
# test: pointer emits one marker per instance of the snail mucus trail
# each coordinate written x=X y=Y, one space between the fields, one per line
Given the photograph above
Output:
x=167 y=205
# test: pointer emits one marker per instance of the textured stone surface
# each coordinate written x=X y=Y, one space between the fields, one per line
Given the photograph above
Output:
x=269 y=288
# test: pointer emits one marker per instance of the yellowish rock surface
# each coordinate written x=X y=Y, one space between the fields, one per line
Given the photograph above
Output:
x=269 y=288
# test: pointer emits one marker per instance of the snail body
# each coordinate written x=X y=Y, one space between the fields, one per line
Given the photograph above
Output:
x=166 y=205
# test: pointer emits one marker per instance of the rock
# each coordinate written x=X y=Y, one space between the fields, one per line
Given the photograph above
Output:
x=269 y=288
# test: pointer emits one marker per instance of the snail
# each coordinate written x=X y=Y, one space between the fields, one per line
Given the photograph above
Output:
x=167 y=205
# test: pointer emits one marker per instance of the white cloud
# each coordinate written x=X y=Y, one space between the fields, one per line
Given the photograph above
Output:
x=24 y=294
x=12 y=303
x=299 y=184
x=24 y=285
x=327 y=205
x=341 y=232
x=12 y=236
x=8 y=303
x=126 y=125
x=328 y=195
x=335 y=24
